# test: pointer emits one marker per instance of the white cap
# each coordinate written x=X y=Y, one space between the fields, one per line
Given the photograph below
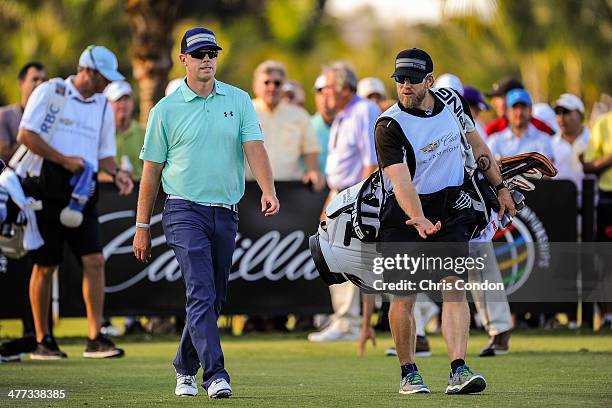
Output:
x=102 y=60
x=546 y=114
x=449 y=81
x=570 y=102
x=370 y=85
x=117 y=89
x=173 y=85
x=320 y=83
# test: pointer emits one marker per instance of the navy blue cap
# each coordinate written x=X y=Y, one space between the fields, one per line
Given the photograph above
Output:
x=198 y=37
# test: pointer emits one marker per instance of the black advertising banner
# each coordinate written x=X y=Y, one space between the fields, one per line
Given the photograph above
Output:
x=550 y=215
x=272 y=271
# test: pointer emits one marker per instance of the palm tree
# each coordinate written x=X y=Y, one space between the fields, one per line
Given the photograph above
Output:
x=152 y=26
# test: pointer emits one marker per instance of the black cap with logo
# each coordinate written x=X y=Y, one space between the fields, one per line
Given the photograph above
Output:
x=414 y=63
x=503 y=86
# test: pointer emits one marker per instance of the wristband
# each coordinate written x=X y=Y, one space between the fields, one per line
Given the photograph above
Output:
x=501 y=185
x=143 y=225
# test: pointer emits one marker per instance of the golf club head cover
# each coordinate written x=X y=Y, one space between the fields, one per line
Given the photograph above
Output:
x=83 y=185
x=521 y=164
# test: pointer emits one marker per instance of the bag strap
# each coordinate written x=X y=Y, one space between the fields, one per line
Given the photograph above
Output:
x=452 y=102
x=362 y=233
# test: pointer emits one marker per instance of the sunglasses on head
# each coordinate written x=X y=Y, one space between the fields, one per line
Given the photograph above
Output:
x=200 y=54
x=276 y=83
x=401 y=79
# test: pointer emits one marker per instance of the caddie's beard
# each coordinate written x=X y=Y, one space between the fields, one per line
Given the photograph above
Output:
x=414 y=100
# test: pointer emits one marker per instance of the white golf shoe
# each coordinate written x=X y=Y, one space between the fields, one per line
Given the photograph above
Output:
x=219 y=389
x=186 y=385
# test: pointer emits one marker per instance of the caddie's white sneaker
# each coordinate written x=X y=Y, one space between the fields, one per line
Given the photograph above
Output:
x=219 y=389
x=332 y=333
x=186 y=385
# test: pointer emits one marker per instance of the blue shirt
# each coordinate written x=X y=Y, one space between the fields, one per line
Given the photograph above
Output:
x=322 y=130
x=351 y=143
x=200 y=142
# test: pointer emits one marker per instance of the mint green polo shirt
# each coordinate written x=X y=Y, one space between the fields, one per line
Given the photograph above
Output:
x=199 y=140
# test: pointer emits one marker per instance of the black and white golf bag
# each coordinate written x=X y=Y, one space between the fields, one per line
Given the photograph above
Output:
x=346 y=243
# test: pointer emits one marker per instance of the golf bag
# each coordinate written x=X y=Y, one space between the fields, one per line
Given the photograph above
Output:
x=347 y=242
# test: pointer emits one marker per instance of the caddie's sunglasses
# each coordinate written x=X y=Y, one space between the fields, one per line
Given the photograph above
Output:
x=200 y=54
x=401 y=79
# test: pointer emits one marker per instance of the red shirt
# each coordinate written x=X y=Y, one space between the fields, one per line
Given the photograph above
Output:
x=499 y=124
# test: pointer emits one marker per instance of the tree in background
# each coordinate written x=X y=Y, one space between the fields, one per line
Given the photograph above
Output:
x=152 y=25
x=554 y=45
x=55 y=32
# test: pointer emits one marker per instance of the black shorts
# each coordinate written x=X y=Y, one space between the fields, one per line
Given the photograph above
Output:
x=448 y=244
x=457 y=226
x=54 y=190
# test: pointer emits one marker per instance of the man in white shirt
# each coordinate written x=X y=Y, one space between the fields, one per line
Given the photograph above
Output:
x=69 y=139
x=521 y=136
x=572 y=140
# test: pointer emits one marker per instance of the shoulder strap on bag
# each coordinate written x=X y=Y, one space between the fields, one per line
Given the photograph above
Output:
x=452 y=102
x=372 y=191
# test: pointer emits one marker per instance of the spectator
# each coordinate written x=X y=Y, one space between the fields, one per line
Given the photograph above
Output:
x=570 y=144
x=598 y=160
x=449 y=81
x=322 y=120
x=293 y=93
x=477 y=104
x=521 y=136
x=351 y=158
x=373 y=89
x=82 y=142
x=287 y=129
x=498 y=100
x=130 y=135
x=129 y=138
x=30 y=76
x=542 y=111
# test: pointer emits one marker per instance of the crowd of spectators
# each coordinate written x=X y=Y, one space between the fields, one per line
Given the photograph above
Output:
x=334 y=147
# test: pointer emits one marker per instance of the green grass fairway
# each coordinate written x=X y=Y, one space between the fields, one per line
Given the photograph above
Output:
x=562 y=369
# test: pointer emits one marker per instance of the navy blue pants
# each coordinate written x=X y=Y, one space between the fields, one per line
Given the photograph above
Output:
x=203 y=241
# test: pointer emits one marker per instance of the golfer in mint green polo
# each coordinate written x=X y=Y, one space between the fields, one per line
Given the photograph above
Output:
x=195 y=143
